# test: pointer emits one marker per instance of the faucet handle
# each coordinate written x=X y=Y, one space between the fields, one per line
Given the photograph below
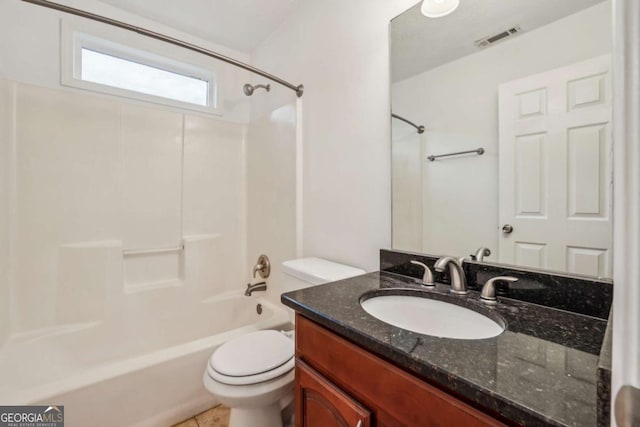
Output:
x=480 y=254
x=262 y=267
x=427 y=278
x=488 y=294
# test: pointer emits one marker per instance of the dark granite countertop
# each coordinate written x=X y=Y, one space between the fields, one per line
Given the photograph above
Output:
x=541 y=371
x=604 y=379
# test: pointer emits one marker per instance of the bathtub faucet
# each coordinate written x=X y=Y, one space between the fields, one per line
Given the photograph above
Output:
x=262 y=286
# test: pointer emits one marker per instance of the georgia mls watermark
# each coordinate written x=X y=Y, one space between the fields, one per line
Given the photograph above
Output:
x=31 y=416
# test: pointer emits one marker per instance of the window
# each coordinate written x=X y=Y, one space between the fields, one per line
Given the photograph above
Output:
x=124 y=74
x=98 y=64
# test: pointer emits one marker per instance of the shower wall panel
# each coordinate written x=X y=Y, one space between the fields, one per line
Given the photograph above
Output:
x=152 y=176
x=68 y=190
x=120 y=209
x=151 y=141
x=271 y=192
x=214 y=200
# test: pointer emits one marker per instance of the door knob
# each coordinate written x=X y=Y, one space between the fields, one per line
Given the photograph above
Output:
x=507 y=229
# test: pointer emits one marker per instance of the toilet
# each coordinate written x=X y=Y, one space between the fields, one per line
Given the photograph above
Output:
x=253 y=374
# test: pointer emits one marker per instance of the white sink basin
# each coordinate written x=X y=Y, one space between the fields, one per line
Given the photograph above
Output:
x=431 y=317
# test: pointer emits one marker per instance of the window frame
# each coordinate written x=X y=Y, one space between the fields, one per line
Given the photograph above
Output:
x=74 y=40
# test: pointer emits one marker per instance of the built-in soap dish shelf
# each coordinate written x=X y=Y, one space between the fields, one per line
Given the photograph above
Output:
x=153 y=268
x=152 y=251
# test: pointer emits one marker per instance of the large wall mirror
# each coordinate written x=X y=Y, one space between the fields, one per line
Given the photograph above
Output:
x=523 y=89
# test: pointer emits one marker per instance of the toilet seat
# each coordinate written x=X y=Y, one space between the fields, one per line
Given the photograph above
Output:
x=251 y=379
x=252 y=358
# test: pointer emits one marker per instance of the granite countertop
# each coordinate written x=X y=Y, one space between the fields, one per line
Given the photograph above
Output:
x=541 y=370
x=604 y=378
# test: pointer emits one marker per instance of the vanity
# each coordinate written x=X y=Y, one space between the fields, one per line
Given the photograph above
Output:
x=354 y=369
x=363 y=386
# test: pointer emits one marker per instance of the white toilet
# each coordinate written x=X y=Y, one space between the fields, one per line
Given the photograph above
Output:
x=253 y=374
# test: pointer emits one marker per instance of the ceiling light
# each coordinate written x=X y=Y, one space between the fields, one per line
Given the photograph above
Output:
x=438 y=8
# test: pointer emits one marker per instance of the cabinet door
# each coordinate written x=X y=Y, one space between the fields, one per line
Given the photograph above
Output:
x=319 y=403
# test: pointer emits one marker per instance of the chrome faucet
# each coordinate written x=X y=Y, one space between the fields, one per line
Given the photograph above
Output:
x=262 y=286
x=262 y=267
x=456 y=273
x=427 y=278
x=488 y=294
x=480 y=254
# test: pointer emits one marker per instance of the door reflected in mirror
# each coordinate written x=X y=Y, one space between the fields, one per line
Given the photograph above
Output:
x=515 y=156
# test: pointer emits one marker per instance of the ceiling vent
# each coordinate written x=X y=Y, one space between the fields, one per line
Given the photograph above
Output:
x=488 y=41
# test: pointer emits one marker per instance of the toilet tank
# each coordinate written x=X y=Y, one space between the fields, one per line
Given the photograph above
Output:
x=306 y=272
x=316 y=271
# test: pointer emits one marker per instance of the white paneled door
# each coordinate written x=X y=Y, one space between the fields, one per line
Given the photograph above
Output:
x=555 y=169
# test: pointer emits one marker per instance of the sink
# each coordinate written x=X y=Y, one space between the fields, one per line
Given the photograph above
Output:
x=431 y=317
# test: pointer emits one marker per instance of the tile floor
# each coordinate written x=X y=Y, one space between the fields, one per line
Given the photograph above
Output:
x=214 y=417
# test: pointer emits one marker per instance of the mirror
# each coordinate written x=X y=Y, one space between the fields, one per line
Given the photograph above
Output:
x=523 y=90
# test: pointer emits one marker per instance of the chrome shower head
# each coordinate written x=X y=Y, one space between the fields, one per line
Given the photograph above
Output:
x=249 y=89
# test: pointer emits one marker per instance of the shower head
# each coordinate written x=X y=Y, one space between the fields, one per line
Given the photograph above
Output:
x=249 y=89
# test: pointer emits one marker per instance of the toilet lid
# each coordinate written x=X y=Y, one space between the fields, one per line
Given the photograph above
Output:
x=252 y=354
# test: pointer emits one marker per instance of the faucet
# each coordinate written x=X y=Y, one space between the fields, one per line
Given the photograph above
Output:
x=480 y=254
x=262 y=286
x=488 y=294
x=427 y=278
x=456 y=272
x=262 y=267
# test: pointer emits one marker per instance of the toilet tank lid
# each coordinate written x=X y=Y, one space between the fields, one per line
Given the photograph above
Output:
x=318 y=270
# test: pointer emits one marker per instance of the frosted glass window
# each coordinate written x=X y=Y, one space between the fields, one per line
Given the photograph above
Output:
x=129 y=75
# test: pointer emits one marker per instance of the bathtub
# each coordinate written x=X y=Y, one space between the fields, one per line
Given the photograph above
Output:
x=124 y=374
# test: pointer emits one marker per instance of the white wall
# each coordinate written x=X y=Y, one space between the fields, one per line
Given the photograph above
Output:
x=340 y=51
x=30 y=47
x=5 y=153
x=458 y=104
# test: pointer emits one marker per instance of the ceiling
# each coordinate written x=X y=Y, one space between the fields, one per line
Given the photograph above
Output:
x=238 y=24
x=419 y=43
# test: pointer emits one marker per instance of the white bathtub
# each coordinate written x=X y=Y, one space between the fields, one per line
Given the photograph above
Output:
x=143 y=374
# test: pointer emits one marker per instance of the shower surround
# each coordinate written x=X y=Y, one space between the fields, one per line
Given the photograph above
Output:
x=127 y=246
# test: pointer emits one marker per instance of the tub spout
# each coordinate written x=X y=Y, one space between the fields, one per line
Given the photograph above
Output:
x=262 y=286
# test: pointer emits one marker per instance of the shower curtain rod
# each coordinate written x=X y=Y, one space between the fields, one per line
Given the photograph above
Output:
x=299 y=90
x=420 y=128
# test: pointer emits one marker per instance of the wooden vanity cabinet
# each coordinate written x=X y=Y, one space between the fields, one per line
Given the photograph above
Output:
x=340 y=384
x=322 y=404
